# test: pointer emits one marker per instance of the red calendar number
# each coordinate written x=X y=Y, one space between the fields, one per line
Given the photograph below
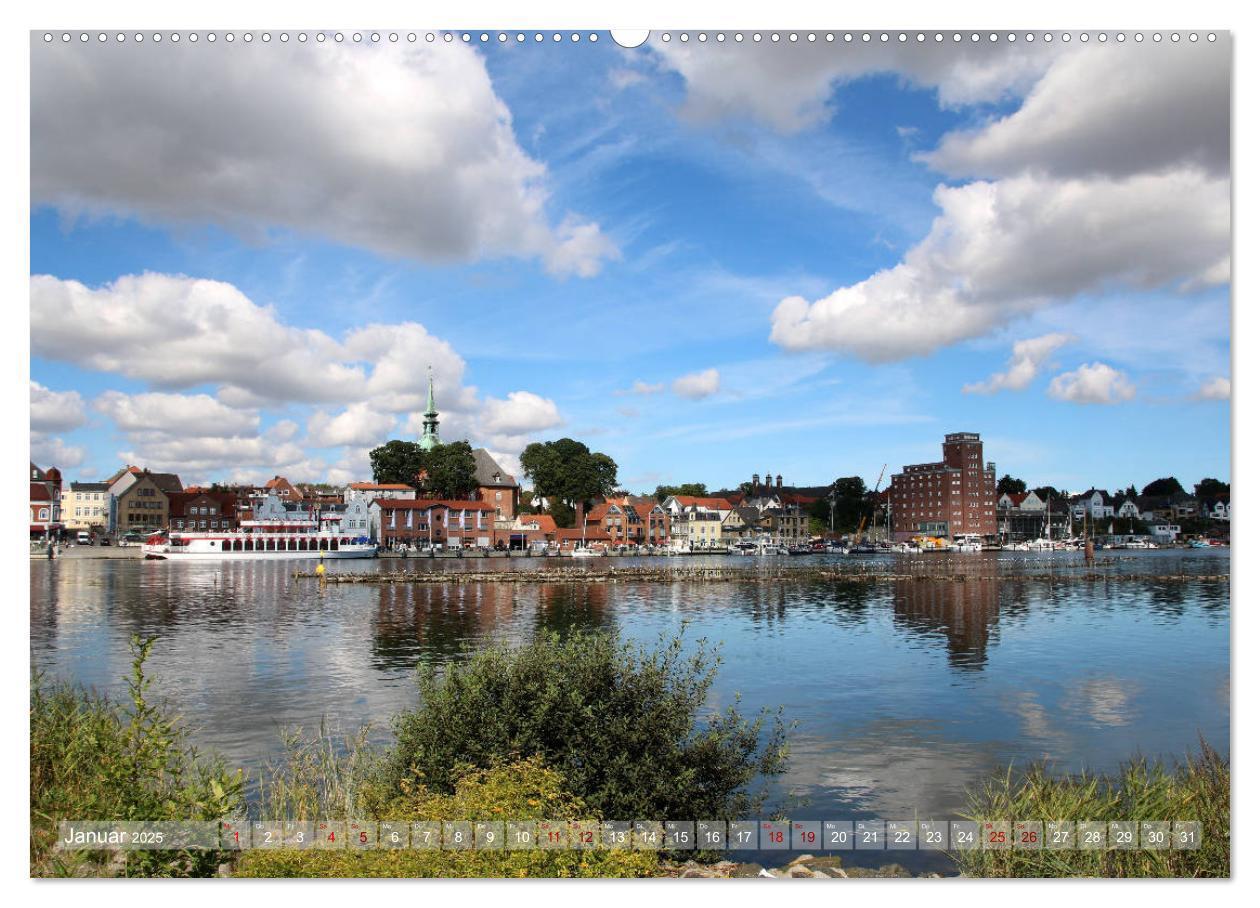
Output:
x=997 y=836
x=808 y=836
x=1028 y=837
x=776 y=835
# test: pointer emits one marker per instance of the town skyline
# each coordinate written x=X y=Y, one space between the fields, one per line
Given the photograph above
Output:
x=699 y=277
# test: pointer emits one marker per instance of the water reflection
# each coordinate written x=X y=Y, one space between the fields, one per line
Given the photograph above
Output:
x=904 y=692
x=964 y=613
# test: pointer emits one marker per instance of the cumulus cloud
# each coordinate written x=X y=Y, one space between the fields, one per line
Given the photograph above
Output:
x=357 y=424
x=1113 y=174
x=175 y=414
x=1027 y=356
x=1108 y=110
x=697 y=385
x=55 y=411
x=1005 y=248
x=1215 y=389
x=1095 y=383
x=402 y=149
x=522 y=413
x=789 y=86
x=198 y=333
x=51 y=451
x=257 y=454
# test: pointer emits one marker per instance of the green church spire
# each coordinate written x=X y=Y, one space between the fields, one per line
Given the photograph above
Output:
x=429 y=436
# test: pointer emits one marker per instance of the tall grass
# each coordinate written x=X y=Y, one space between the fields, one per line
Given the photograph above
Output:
x=320 y=777
x=1194 y=789
x=94 y=759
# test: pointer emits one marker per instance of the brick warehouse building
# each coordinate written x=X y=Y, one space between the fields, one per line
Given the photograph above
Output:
x=954 y=496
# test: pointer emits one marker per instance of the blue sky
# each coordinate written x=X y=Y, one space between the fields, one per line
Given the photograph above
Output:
x=599 y=242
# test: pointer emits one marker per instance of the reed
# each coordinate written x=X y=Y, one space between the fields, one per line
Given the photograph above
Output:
x=1196 y=788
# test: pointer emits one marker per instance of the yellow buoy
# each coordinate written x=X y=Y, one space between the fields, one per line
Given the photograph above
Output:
x=319 y=568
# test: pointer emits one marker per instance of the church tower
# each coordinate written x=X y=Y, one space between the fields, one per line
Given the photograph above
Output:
x=429 y=436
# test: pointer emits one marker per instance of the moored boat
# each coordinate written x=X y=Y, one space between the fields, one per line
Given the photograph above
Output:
x=258 y=546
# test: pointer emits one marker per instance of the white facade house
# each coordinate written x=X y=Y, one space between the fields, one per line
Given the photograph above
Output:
x=1128 y=508
x=1098 y=505
x=1165 y=532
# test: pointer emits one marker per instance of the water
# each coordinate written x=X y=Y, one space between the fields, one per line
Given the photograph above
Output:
x=903 y=693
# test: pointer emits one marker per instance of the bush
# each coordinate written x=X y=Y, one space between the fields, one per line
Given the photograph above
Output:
x=92 y=759
x=621 y=725
x=1197 y=789
x=520 y=791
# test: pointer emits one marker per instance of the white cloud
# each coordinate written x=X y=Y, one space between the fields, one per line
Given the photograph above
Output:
x=522 y=413
x=357 y=424
x=697 y=385
x=51 y=451
x=207 y=333
x=1110 y=110
x=1002 y=249
x=259 y=454
x=1215 y=389
x=55 y=411
x=1095 y=383
x=405 y=150
x=789 y=86
x=195 y=332
x=175 y=414
x=1027 y=356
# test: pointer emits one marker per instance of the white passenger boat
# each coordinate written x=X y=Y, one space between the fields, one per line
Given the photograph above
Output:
x=259 y=544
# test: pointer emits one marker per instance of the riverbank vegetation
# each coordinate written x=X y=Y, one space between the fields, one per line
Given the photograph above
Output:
x=95 y=759
x=1194 y=789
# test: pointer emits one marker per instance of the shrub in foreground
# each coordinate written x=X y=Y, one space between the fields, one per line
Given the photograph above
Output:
x=625 y=727
x=1196 y=789
x=519 y=791
x=93 y=759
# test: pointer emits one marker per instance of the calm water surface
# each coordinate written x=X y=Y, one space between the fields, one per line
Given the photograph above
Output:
x=903 y=693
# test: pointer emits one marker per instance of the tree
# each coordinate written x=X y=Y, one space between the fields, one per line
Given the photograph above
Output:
x=849 y=496
x=696 y=489
x=1008 y=485
x=568 y=471
x=1208 y=489
x=1164 y=487
x=1045 y=493
x=448 y=471
x=631 y=730
x=397 y=461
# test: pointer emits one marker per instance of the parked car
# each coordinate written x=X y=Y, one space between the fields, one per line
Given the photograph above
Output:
x=104 y=540
x=83 y=538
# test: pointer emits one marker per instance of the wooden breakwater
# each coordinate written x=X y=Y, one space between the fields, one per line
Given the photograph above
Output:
x=702 y=574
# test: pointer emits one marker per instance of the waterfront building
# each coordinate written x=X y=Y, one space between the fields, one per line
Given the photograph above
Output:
x=631 y=521
x=678 y=505
x=495 y=486
x=46 y=515
x=139 y=500
x=85 y=506
x=1021 y=516
x=421 y=521
x=697 y=526
x=202 y=510
x=374 y=490
x=1095 y=503
x=950 y=497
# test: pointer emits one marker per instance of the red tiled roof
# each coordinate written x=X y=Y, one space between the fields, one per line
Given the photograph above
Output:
x=39 y=492
x=545 y=522
x=693 y=501
x=1017 y=498
x=424 y=504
